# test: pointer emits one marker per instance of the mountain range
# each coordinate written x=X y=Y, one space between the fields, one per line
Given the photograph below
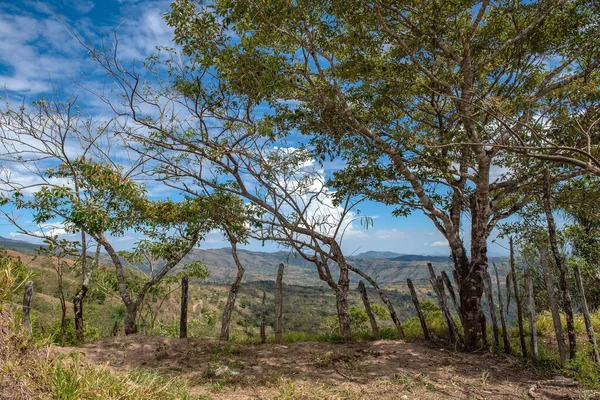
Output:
x=387 y=268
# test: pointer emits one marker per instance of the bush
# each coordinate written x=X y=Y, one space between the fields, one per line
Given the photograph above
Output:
x=89 y=333
x=434 y=318
x=13 y=275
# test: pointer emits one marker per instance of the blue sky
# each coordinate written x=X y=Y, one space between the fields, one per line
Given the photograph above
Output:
x=37 y=54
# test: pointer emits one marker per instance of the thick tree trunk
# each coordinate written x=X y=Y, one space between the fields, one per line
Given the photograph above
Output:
x=415 y=299
x=563 y=285
x=27 y=297
x=518 y=303
x=129 y=324
x=470 y=289
x=233 y=292
x=549 y=280
x=586 y=315
x=183 y=309
x=279 y=305
x=365 y=299
x=343 y=310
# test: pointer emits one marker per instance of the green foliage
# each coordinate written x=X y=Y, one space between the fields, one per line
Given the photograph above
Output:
x=434 y=319
x=89 y=333
x=13 y=275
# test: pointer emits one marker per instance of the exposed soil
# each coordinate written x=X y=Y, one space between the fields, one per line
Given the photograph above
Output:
x=374 y=370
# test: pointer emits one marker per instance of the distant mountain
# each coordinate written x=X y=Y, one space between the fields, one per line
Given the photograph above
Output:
x=262 y=266
x=18 y=245
x=416 y=257
x=378 y=254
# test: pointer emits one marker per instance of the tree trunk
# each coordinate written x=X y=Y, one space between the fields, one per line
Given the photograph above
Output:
x=487 y=287
x=279 y=305
x=87 y=272
x=470 y=288
x=365 y=299
x=27 y=297
x=517 y=299
x=531 y=309
x=505 y=339
x=586 y=314
x=80 y=295
x=343 y=310
x=263 y=334
x=415 y=299
x=129 y=324
x=184 y=307
x=233 y=292
x=63 y=303
x=563 y=285
x=549 y=279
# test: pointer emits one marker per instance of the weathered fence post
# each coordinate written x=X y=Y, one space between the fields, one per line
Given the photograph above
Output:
x=549 y=280
x=415 y=300
x=263 y=335
x=505 y=339
x=517 y=298
x=279 y=305
x=531 y=309
x=27 y=297
x=487 y=287
x=452 y=295
x=184 y=307
x=438 y=288
x=365 y=299
x=586 y=314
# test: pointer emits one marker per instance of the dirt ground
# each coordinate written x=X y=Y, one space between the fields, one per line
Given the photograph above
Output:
x=310 y=370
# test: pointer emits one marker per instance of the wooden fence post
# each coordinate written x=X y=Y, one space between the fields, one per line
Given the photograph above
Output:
x=438 y=287
x=263 y=334
x=279 y=305
x=517 y=298
x=415 y=300
x=184 y=307
x=487 y=287
x=27 y=297
x=365 y=299
x=448 y=283
x=586 y=314
x=531 y=309
x=505 y=339
x=549 y=280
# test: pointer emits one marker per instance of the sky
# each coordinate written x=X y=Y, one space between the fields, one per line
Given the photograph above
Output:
x=39 y=54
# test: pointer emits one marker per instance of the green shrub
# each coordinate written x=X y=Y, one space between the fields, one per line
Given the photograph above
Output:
x=434 y=318
x=89 y=333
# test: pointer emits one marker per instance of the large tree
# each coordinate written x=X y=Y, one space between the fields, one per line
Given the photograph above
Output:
x=402 y=90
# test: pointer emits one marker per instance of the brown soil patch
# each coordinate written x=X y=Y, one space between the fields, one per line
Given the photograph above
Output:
x=375 y=370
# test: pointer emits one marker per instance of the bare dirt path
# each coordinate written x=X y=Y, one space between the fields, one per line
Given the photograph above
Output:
x=310 y=370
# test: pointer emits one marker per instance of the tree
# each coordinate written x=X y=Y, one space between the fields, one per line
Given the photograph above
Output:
x=203 y=137
x=50 y=132
x=400 y=91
